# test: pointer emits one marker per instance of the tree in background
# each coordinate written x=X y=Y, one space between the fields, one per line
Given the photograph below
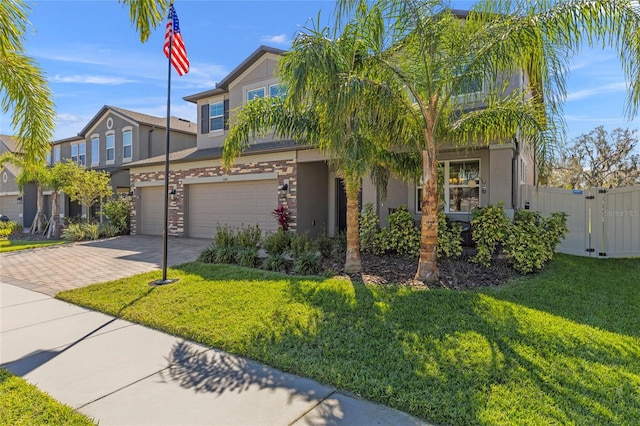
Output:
x=84 y=186
x=598 y=159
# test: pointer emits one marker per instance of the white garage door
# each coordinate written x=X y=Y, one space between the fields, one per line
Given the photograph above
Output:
x=151 y=210
x=9 y=207
x=236 y=204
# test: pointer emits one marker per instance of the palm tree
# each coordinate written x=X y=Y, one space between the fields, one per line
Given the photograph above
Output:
x=440 y=57
x=327 y=106
x=23 y=86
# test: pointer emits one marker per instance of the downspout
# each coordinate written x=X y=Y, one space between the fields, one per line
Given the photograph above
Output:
x=149 y=141
x=514 y=177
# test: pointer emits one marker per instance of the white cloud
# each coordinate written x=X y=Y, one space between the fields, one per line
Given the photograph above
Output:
x=620 y=86
x=275 y=39
x=90 y=79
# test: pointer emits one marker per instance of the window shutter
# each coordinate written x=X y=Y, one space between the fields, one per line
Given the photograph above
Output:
x=226 y=114
x=204 y=117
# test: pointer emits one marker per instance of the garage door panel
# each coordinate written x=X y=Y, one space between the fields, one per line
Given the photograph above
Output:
x=235 y=204
x=151 y=201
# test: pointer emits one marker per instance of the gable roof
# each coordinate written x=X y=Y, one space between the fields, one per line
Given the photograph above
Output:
x=177 y=124
x=223 y=85
x=9 y=142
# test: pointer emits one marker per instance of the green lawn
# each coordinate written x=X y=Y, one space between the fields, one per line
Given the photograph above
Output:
x=23 y=404
x=13 y=245
x=561 y=347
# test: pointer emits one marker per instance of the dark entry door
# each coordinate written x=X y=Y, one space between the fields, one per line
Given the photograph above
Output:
x=341 y=203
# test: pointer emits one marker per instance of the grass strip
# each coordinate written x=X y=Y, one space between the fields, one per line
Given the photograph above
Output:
x=14 y=245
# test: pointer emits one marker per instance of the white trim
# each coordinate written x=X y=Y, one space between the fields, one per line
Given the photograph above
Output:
x=266 y=56
x=9 y=193
x=231 y=178
x=47 y=192
x=508 y=145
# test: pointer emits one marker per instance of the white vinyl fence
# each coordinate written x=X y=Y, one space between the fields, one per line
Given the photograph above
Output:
x=602 y=222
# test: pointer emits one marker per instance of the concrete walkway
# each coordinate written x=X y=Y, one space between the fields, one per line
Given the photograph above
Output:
x=120 y=373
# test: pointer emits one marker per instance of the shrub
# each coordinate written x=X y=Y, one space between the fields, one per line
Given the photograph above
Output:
x=300 y=244
x=277 y=243
x=490 y=228
x=369 y=227
x=324 y=244
x=275 y=263
x=109 y=230
x=249 y=237
x=81 y=231
x=283 y=216
x=226 y=254
x=118 y=213
x=403 y=237
x=532 y=240
x=208 y=255
x=225 y=236
x=10 y=227
x=449 y=237
x=247 y=257
x=307 y=263
x=340 y=243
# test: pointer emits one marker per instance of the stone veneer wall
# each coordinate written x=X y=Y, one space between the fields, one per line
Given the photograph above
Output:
x=286 y=169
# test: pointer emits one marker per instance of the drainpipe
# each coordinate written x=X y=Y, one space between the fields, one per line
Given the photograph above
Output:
x=514 y=177
x=149 y=141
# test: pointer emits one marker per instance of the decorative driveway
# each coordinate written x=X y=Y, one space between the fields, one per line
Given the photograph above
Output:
x=49 y=270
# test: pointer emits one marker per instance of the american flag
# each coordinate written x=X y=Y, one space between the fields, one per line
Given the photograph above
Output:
x=179 y=58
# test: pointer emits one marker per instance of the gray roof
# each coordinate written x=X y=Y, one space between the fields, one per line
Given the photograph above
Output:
x=223 y=85
x=194 y=154
x=10 y=142
x=177 y=124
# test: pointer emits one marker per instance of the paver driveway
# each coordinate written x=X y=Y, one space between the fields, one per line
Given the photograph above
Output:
x=49 y=270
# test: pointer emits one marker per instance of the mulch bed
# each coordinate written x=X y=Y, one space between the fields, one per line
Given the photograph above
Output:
x=455 y=274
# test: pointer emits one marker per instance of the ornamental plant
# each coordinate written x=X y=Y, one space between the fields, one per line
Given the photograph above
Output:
x=283 y=216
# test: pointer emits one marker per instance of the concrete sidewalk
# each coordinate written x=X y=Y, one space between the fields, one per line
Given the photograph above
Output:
x=120 y=373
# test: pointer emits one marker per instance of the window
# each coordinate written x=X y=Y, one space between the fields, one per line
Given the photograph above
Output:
x=47 y=158
x=216 y=116
x=111 y=148
x=79 y=154
x=56 y=154
x=472 y=84
x=461 y=186
x=126 y=145
x=95 y=151
x=277 y=91
x=255 y=93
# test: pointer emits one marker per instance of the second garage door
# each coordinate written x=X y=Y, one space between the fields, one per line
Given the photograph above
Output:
x=236 y=204
x=151 y=210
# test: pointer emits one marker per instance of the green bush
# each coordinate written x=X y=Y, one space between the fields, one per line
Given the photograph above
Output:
x=533 y=240
x=109 y=230
x=118 y=213
x=208 y=255
x=225 y=236
x=81 y=231
x=226 y=254
x=449 y=237
x=324 y=244
x=369 y=227
x=491 y=226
x=247 y=257
x=278 y=242
x=307 y=263
x=300 y=243
x=276 y=262
x=249 y=237
x=8 y=228
x=403 y=237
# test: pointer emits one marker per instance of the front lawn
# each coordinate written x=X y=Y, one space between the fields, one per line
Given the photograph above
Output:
x=13 y=245
x=559 y=347
x=23 y=404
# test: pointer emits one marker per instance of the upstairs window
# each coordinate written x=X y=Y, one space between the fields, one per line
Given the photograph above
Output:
x=255 y=93
x=216 y=116
x=56 y=154
x=126 y=145
x=47 y=158
x=277 y=91
x=95 y=151
x=79 y=154
x=111 y=148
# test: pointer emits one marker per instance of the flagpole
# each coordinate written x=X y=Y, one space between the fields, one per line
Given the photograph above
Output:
x=165 y=230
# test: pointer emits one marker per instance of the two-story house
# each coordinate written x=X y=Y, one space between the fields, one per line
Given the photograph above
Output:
x=272 y=173
x=116 y=137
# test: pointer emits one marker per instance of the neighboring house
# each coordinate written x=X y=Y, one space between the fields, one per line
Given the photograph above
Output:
x=115 y=137
x=16 y=204
x=272 y=173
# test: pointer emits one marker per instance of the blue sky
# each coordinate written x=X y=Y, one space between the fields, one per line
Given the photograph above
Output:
x=92 y=56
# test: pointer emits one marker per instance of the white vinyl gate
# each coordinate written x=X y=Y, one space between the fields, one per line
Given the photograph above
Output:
x=602 y=222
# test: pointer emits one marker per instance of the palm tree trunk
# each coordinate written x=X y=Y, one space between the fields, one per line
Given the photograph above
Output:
x=428 y=263
x=39 y=204
x=55 y=216
x=353 y=261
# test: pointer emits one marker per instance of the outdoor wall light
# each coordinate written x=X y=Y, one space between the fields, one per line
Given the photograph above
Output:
x=173 y=194
x=19 y=199
x=284 y=187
